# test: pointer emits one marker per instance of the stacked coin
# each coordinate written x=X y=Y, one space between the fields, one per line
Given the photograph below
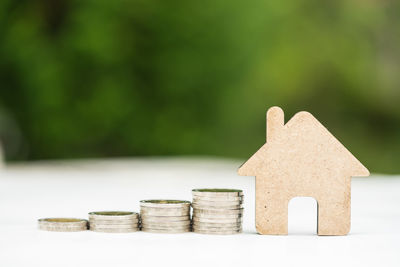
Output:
x=63 y=224
x=114 y=221
x=217 y=211
x=165 y=216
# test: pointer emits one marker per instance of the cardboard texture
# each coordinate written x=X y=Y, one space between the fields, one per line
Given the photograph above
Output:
x=301 y=158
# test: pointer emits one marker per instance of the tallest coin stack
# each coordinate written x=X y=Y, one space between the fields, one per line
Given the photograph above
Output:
x=217 y=211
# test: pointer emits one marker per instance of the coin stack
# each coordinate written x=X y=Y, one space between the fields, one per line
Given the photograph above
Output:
x=114 y=221
x=165 y=216
x=217 y=211
x=63 y=224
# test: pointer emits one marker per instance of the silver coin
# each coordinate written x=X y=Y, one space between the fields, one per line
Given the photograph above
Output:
x=217 y=198
x=217 y=220
x=207 y=232
x=164 y=231
x=165 y=225
x=173 y=229
x=164 y=203
x=114 y=222
x=63 y=224
x=164 y=218
x=214 y=224
x=113 y=215
x=218 y=216
x=111 y=226
x=218 y=204
x=217 y=229
x=185 y=208
x=114 y=230
x=210 y=192
x=167 y=222
x=61 y=229
x=217 y=211
x=164 y=212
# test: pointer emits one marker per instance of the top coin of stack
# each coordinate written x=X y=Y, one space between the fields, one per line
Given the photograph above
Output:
x=217 y=211
x=62 y=224
x=114 y=221
x=165 y=216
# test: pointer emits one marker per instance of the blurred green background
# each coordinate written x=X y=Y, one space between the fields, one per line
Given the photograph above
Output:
x=150 y=77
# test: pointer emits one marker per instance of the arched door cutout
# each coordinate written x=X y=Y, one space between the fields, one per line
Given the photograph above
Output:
x=303 y=216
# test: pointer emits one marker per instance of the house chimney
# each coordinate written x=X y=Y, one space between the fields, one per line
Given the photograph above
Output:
x=275 y=122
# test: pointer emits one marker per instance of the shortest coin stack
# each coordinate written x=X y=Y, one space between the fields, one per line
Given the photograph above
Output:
x=217 y=211
x=63 y=224
x=114 y=221
x=165 y=216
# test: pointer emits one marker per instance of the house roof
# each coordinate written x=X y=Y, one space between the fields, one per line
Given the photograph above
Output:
x=302 y=134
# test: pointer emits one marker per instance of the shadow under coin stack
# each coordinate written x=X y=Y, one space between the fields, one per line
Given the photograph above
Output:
x=165 y=216
x=217 y=211
x=114 y=221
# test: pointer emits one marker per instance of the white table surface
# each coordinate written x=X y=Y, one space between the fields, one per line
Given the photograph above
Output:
x=74 y=188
